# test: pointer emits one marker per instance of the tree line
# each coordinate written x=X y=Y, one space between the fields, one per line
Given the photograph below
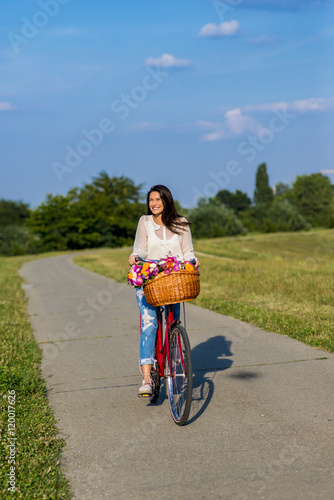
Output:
x=308 y=203
x=105 y=212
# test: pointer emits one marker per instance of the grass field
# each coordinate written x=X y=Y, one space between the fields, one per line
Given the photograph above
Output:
x=280 y=282
x=27 y=423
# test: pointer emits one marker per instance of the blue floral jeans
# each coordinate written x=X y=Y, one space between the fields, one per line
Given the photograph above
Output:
x=148 y=327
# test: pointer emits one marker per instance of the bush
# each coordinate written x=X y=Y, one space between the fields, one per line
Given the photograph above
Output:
x=17 y=240
x=285 y=217
x=281 y=216
x=210 y=219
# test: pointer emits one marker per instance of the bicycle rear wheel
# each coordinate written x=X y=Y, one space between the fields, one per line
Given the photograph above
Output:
x=180 y=381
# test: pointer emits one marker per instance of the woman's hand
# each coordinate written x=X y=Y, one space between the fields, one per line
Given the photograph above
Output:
x=133 y=260
x=197 y=263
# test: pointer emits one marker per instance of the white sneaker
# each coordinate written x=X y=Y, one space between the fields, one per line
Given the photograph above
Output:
x=146 y=388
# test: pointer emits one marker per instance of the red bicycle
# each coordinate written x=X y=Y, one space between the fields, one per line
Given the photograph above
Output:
x=173 y=363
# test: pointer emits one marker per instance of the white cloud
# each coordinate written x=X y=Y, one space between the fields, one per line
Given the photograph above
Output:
x=235 y=124
x=327 y=172
x=301 y=106
x=168 y=61
x=218 y=135
x=7 y=106
x=215 y=131
x=216 y=30
x=315 y=104
x=238 y=123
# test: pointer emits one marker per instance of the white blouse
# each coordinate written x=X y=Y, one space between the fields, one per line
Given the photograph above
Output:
x=157 y=242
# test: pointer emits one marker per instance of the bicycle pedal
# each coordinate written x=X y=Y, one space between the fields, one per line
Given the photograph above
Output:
x=144 y=395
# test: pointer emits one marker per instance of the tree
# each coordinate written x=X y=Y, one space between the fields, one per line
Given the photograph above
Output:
x=313 y=197
x=238 y=201
x=225 y=197
x=109 y=206
x=104 y=212
x=211 y=219
x=263 y=194
x=13 y=213
x=280 y=189
x=53 y=222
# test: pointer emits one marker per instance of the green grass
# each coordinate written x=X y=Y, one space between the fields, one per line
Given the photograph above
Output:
x=281 y=282
x=37 y=447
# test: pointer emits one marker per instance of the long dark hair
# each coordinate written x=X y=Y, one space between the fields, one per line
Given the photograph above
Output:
x=170 y=217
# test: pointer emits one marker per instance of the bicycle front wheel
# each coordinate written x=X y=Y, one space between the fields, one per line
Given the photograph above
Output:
x=180 y=380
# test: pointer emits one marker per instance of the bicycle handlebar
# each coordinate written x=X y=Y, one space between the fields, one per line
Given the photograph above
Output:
x=152 y=260
x=146 y=260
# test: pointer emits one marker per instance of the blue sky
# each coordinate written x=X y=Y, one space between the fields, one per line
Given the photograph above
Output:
x=192 y=94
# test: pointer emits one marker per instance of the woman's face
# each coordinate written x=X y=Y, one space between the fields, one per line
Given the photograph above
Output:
x=155 y=203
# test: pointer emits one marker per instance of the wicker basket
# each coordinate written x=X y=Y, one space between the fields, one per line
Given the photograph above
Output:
x=172 y=288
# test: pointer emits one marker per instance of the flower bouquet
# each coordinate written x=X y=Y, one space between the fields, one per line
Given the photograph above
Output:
x=166 y=282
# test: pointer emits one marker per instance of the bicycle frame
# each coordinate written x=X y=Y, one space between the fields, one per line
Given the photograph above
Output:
x=162 y=350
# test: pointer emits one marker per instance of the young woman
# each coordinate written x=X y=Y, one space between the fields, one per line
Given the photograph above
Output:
x=160 y=233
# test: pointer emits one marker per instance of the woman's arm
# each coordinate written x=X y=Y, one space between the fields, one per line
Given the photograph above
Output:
x=140 y=243
x=187 y=246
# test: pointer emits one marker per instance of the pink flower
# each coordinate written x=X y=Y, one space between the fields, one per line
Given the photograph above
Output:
x=139 y=281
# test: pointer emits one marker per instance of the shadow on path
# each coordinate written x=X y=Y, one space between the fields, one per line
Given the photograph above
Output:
x=208 y=357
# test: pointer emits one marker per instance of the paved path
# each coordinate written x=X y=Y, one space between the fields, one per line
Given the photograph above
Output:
x=262 y=417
